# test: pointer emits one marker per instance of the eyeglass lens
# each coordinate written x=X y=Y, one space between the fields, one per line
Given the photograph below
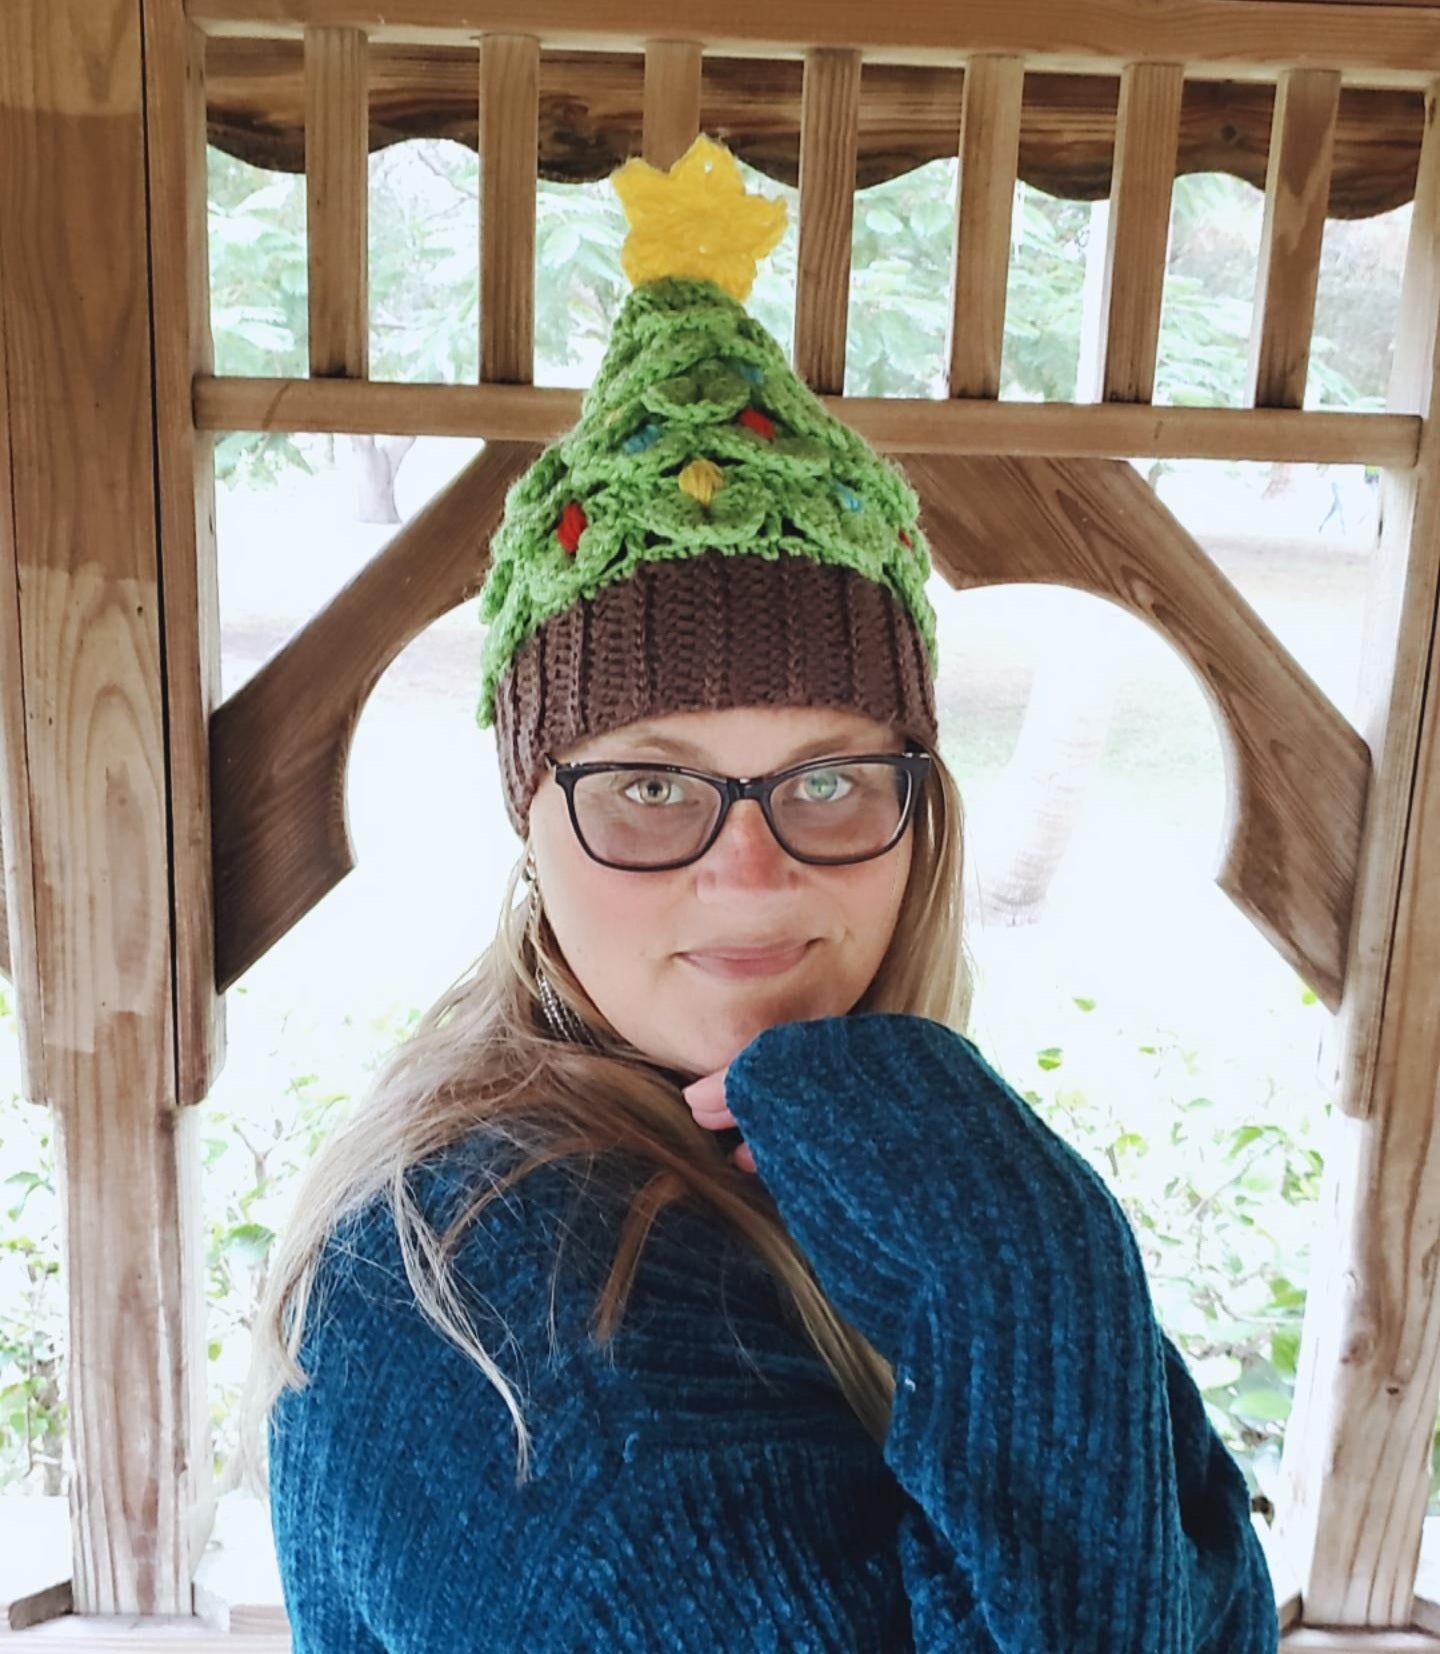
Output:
x=639 y=817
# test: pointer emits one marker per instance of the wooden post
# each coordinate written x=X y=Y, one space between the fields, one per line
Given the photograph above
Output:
x=980 y=269
x=1297 y=194
x=671 y=100
x=829 y=127
x=509 y=163
x=1147 y=132
x=337 y=193
x=92 y=777
x=1356 y=1468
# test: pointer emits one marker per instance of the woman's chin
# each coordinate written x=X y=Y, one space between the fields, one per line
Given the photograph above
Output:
x=724 y=1030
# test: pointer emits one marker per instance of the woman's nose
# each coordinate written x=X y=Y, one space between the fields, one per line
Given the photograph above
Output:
x=746 y=847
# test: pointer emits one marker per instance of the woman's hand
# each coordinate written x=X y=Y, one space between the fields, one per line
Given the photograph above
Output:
x=706 y=1098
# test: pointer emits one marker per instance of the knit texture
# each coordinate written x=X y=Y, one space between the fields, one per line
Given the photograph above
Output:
x=1049 y=1480
x=715 y=631
x=695 y=436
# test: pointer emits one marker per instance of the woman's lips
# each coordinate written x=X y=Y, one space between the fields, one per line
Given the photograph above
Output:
x=733 y=966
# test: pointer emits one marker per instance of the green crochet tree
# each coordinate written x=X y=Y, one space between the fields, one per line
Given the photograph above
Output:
x=695 y=435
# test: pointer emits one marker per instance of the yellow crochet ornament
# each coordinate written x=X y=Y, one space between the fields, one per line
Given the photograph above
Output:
x=696 y=220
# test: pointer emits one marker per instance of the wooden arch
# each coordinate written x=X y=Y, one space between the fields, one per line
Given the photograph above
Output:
x=157 y=841
x=1298 y=773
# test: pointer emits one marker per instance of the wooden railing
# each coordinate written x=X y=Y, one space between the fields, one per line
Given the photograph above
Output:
x=1333 y=826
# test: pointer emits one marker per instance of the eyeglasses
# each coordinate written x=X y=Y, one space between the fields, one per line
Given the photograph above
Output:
x=828 y=812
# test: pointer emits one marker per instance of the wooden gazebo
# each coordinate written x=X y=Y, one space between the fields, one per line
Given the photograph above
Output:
x=158 y=841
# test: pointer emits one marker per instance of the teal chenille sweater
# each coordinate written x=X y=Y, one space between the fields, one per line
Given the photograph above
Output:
x=1049 y=1483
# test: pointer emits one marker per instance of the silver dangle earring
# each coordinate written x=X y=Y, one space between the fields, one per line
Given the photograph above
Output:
x=562 y=1021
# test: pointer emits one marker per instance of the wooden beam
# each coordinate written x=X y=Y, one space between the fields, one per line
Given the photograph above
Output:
x=282 y=741
x=828 y=120
x=1297 y=190
x=541 y=413
x=146 y=1634
x=93 y=781
x=1391 y=44
x=17 y=922
x=509 y=146
x=337 y=178
x=980 y=268
x=672 y=100
x=185 y=458
x=592 y=105
x=1355 y=1475
x=1147 y=131
x=1303 y=1640
x=1298 y=773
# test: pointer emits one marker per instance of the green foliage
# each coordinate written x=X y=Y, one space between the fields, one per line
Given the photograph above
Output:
x=34 y=1417
x=1221 y=1190
x=424 y=252
x=254 y=1157
x=259 y=289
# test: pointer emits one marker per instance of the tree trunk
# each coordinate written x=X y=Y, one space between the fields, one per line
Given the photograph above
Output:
x=1041 y=795
x=377 y=460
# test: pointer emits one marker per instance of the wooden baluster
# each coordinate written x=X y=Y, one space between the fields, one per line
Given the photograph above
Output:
x=829 y=132
x=989 y=151
x=337 y=177
x=1147 y=136
x=509 y=171
x=1297 y=193
x=672 y=99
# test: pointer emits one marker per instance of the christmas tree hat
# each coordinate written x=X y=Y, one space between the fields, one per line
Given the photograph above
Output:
x=707 y=534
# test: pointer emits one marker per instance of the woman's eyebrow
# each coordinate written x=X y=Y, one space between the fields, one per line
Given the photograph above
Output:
x=684 y=749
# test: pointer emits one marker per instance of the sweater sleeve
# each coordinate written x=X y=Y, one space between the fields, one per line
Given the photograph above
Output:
x=1068 y=1488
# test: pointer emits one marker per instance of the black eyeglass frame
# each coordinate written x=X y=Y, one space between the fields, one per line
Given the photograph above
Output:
x=914 y=762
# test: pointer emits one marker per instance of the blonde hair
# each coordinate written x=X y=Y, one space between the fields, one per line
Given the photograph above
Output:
x=483 y=1055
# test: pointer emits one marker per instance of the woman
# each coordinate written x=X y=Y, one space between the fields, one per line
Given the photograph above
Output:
x=688 y=1275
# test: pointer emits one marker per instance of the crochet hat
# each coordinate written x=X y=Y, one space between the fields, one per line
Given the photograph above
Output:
x=707 y=534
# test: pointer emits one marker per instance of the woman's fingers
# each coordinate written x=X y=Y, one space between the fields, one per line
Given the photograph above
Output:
x=706 y=1099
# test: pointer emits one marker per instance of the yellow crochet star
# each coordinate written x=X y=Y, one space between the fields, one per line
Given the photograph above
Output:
x=696 y=220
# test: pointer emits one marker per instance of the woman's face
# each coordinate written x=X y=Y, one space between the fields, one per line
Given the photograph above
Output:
x=629 y=937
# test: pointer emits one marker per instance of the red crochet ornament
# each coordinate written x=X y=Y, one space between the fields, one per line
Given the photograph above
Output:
x=905 y=538
x=572 y=526
x=757 y=422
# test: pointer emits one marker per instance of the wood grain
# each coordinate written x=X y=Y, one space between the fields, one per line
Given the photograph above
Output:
x=509 y=67
x=17 y=921
x=672 y=100
x=1297 y=773
x=337 y=178
x=896 y=423
x=92 y=778
x=1146 y=136
x=280 y=745
x=591 y=118
x=1355 y=1476
x=829 y=113
x=180 y=281
x=1297 y=190
x=989 y=148
x=1382 y=44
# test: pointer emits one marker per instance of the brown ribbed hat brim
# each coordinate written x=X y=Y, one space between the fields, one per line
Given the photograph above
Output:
x=716 y=630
